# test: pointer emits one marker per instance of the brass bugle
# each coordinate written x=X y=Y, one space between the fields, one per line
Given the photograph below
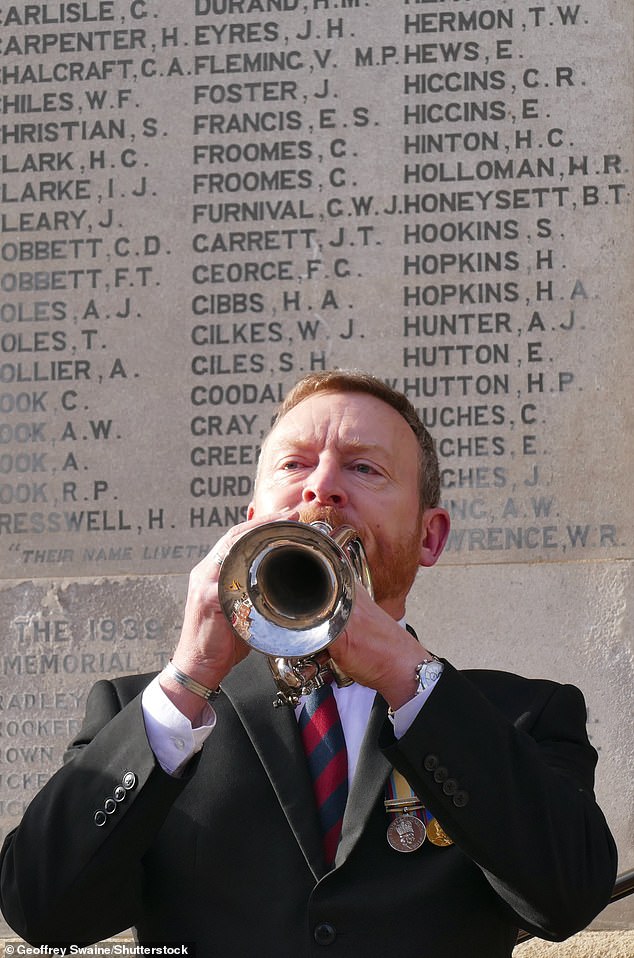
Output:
x=287 y=590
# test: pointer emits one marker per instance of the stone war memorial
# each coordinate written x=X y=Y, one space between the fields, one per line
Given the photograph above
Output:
x=203 y=200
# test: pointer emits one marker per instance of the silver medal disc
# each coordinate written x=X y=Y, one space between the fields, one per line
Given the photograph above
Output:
x=406 y=833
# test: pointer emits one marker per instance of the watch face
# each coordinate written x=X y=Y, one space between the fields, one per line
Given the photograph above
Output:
x=430 y=673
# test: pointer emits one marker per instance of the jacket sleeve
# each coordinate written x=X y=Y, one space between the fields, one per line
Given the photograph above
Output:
x=513 y=787
x=72 y=870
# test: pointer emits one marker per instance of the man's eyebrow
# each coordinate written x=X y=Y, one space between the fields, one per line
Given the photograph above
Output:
x=353 y=444
x=359 y=445
x=283 y=443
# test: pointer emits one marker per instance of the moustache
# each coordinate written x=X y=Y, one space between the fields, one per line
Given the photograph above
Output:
x=328 y=514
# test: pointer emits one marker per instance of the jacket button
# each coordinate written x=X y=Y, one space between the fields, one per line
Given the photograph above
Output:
x=100 y=819
x=109 y=806
x=119 y=793
x=128 y=781
x=441 y=774
x=324 y=934
x=430 y=763
x=461 y=798
x=450 y=787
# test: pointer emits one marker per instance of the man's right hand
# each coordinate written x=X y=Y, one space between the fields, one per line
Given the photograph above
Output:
x=208 y=649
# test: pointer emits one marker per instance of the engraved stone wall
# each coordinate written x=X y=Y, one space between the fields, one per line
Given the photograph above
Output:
x=201 y=201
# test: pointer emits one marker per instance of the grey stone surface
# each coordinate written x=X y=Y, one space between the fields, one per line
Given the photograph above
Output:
x=585 y=945
x=440 y=195
x=199 y=206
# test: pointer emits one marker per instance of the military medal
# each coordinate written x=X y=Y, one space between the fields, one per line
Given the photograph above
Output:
x=437 y=835
x=410 y=821
x=406 y=831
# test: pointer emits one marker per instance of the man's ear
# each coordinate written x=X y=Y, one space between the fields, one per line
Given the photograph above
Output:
x=436 y=525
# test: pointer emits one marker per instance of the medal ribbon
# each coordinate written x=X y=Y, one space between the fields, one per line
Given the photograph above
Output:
x=401 y=799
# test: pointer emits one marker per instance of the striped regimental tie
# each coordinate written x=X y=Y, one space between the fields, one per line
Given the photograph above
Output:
x=325 y=747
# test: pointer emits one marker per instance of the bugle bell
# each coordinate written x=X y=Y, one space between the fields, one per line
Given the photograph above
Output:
x=287 y=590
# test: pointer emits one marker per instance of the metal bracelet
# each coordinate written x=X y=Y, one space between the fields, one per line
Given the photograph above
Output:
x=188 y=683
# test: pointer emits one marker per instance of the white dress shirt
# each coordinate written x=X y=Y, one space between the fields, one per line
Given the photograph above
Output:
x=175 y=741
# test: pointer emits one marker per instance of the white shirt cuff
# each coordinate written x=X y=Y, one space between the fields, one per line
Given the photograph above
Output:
x=170 y=733
x=403 y=717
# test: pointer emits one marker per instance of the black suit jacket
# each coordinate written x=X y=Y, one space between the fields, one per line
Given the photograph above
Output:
x=229 y=856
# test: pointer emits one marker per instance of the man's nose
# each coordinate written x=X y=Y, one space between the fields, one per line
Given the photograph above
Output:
x=325 y=487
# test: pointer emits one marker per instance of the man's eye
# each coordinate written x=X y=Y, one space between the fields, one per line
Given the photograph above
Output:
x=290 y=465
x=364 y=468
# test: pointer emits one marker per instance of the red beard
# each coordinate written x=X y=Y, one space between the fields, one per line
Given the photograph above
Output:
x=393 y=570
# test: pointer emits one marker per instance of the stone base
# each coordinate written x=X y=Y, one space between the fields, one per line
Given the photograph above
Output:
x=587 y=944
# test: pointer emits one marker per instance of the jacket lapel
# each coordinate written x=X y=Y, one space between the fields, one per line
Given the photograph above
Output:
x=368 y=784
x=372 y=772
x=276 y=740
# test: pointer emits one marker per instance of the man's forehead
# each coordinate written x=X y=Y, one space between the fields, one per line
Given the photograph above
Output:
x=354 y=419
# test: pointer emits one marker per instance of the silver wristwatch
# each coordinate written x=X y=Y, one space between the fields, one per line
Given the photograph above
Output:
x=427 y=672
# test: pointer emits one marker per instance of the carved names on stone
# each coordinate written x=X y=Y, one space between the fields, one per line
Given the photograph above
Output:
x=198 y=208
